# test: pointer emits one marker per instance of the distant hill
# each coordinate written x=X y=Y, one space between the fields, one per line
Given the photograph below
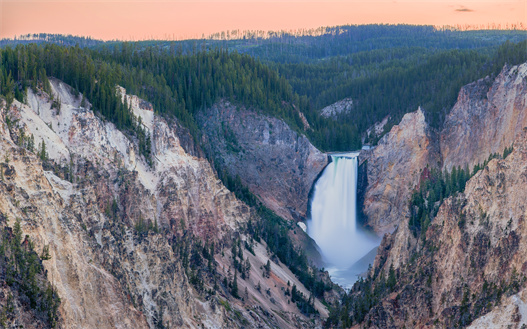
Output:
x=58 y=39
x=388 y=70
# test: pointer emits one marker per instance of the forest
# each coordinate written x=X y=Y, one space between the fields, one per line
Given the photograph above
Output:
x=385 y=74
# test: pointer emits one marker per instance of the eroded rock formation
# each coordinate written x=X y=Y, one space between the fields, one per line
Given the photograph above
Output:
x=121 y=233
x=394 y=168
x=277 y=164
x=487 y=118
x=472 y=259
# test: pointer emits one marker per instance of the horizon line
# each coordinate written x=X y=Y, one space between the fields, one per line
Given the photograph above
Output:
x=267 y=34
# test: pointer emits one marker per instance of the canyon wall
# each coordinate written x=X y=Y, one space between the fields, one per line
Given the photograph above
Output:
x=472 y=259
x=487 y=117
x=468 y=269
x=132 y=242
x=394 y=168
x=276 y=163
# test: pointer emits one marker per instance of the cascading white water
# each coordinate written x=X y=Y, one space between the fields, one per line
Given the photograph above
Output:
x=334 y=215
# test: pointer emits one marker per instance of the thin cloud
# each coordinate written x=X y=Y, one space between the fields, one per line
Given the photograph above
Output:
x=464 y=9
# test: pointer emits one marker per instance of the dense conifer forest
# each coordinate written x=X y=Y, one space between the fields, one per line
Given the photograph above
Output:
x=386 y=70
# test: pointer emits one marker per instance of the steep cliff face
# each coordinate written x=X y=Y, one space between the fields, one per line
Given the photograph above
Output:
x=394 y=168
x=472 y=259
x=276 y=163
x=469 y=266
x=129 y=243
x=487 y=118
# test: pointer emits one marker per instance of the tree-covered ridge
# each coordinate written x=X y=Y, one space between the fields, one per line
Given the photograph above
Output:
x=396 y=81
x=309 y=45
x=58 y=39
x=384 y=82
x=389 y=81
x=348 y=39
x=178 y=85
x=312 y=45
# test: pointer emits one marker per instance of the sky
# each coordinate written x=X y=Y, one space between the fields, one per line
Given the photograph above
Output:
x=183 y=19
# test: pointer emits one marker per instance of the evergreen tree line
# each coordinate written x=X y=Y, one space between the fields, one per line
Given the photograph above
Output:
x=312 y=46
x=435 y=186
x=365 y=294
x=178 y=85
x=385 y=82
x=390 y=79
x=390 y=82
x=28 y=66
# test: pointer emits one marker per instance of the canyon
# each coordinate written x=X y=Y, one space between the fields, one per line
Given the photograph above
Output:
x=132 y=244
x=159 y=240
x=469 y=265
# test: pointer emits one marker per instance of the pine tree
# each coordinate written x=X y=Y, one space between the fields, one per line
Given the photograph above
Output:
x=392 y=280
x=234 y=288
x=267 y=269
x=43 y=154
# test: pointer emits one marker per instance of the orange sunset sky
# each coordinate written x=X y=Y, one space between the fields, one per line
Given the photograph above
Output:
x=178 y=19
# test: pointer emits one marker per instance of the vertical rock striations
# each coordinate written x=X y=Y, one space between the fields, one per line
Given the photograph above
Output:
x=487 y=118
x=394 y=168
x=131 y=244
x=471 y=260
x=277 y=164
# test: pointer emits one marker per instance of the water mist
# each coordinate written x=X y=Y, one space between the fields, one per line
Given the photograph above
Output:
x=333 y=224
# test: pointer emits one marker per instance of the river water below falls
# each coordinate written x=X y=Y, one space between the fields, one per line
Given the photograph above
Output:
x=347 y=248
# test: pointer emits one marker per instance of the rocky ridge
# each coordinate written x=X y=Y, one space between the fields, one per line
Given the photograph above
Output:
x=487 y=118
x=394 y=168
x=471 y=261
x=119 y=231
x=341 y=107
x=274 y=162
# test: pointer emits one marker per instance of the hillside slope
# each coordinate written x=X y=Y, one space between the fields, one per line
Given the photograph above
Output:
x=276 y=163
x=134 y=245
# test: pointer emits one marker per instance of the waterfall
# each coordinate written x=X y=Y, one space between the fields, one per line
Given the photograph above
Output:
x=333 y=223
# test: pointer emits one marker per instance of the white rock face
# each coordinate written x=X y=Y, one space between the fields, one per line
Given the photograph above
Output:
x=343 y=106
x=512 y=313
x=378 y=128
